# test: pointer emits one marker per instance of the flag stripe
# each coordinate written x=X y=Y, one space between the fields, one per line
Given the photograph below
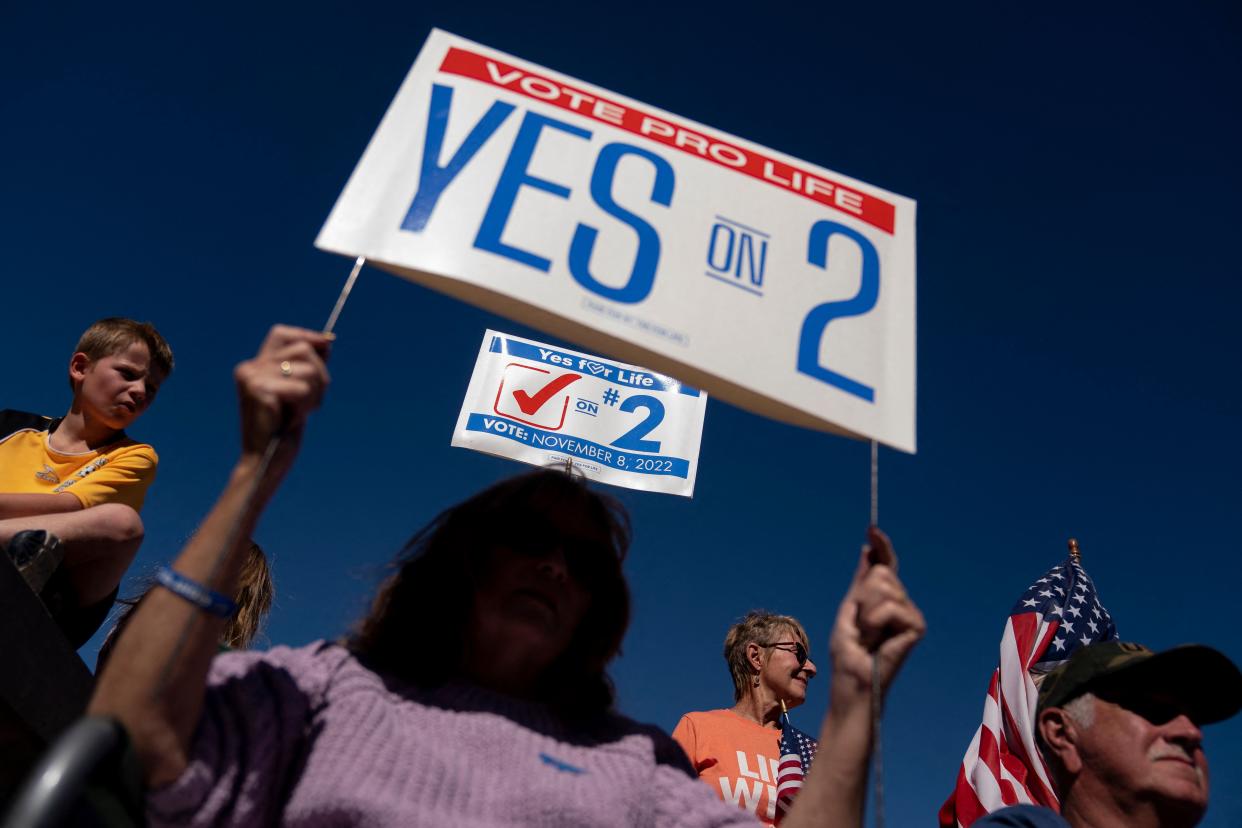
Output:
x=796 y=751
x=1058 y=613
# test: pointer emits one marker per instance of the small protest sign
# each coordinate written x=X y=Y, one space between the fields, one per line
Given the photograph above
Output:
x=617 y=423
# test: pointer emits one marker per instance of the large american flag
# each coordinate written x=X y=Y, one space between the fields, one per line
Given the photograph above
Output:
x=1057 y=615
x=797 y=750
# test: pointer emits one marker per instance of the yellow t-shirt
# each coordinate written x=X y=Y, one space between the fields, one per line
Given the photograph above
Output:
x=736 y=757
x=117 y=473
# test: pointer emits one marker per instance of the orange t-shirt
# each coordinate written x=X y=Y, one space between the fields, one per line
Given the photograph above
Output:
x=736 y=757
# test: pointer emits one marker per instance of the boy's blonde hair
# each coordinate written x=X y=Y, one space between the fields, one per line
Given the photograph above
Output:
x=116 y=333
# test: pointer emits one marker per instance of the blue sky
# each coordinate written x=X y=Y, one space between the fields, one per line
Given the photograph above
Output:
x=1077 y=176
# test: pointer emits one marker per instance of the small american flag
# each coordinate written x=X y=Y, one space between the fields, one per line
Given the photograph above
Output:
x=1057 y=615
x=797 y=750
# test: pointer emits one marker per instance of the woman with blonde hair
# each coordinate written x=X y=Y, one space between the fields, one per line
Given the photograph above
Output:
x=254 y=595
x=735 y=750
x=743 y=751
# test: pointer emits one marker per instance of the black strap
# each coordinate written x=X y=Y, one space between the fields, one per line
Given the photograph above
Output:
x=13 y=421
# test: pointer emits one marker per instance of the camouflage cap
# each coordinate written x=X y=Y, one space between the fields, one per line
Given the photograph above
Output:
x=1206 y=683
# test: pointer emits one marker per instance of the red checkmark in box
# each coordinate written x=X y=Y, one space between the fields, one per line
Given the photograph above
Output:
x=535 y=396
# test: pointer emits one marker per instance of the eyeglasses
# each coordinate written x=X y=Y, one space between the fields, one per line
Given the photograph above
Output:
x=589 y=562
x=1155 y=706
x=798 y=650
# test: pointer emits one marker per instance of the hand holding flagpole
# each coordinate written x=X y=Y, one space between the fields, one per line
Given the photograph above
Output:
x=875 y=621
x=273 y=411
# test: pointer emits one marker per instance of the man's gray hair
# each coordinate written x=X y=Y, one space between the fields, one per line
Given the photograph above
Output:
x=1081 y=709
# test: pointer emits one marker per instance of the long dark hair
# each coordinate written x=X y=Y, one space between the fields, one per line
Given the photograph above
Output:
x=433 y=585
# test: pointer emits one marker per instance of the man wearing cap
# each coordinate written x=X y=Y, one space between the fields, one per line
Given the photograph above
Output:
x=1119 y=727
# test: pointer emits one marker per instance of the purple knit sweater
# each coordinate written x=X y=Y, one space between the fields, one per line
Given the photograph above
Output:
x=310 y=737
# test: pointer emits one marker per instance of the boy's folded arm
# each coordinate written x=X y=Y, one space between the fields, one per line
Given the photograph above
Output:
x=14 y=505
x=125 y=479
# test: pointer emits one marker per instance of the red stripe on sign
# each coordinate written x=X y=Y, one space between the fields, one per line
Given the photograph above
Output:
x=868 y=208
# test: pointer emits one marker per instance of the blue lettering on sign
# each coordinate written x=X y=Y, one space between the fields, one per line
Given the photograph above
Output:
x=512 y=178
x=586 y=365
x=632 y=440
x=818 y=317
x=720 y=230
x=587 y=407
x=647 y=259
x=737 y=255
x=433 y=178
x=653 y=464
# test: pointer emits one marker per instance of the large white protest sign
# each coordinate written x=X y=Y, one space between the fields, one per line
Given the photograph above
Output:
x=778 y=285
x=617 y=423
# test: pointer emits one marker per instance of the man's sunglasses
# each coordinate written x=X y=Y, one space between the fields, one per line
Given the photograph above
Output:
x=798 y=649
x=1153 y=704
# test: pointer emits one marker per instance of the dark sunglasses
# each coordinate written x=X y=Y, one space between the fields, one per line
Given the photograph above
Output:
x=1154 y=706
x=589 y=562
x=798 y=650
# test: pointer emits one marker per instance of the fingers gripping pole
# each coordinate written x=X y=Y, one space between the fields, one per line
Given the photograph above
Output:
x=233 y=536
x=274 y=443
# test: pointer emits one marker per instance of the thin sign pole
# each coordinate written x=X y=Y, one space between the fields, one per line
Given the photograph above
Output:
x=272 y=445
x=877 y=755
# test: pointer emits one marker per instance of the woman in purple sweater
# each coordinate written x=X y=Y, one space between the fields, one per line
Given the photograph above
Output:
x=473 y=694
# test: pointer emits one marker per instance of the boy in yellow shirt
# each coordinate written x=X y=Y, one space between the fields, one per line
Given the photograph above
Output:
x=71 y=488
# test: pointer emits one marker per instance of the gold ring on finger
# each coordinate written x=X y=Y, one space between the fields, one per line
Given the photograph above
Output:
x=286 y=368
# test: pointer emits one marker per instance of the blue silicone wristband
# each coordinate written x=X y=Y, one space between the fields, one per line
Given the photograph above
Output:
x=200 y=596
